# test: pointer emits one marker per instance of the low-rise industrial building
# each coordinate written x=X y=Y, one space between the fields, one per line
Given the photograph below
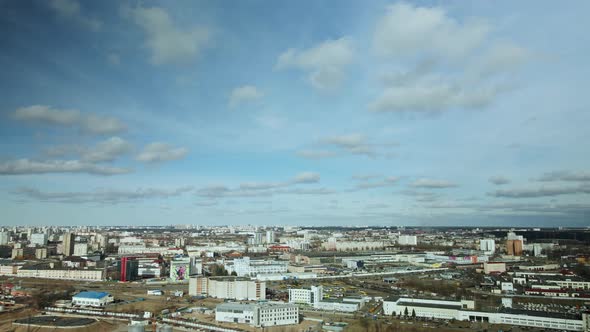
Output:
x=463 y=311
x=92 y=299
x=259 y=315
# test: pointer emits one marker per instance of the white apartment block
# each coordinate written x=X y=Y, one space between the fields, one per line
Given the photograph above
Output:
x=463 y=311
x=488 y=246
x=82 y=275
x=39 y=239
x=407 y=240
x=80 y=249
x=235 y=288
x=259 y=315
x=142 y=249
x=333 y=244
x=246 y=267
x=4 y=238
x=215 y=248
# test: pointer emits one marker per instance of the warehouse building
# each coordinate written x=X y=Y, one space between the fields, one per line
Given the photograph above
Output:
x=463 y=311
x=259 y=315
x=92 y=299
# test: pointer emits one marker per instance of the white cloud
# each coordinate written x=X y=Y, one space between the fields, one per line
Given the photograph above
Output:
x=244 y=94
x=103 y=196
x=324 y=63
x=432 y=184
x=71 y=9
x=86 y=122
x=385 y=182
x=315 y=154
x=408 y=30
x=102 y=124
x=476 y=64
x=167 y=42
x=26 y=166
x=46 y=114
x=353 y=143
x=107 y=150
x=500 y=58
x=267 y=189
x=428 y=96
x=159 y=152
x=565 y=176
x=544 y=191
x=114 y=59
x=306 y=177
x=499 y=180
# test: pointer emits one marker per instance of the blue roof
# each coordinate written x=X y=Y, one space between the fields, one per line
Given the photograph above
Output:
x=92 y=295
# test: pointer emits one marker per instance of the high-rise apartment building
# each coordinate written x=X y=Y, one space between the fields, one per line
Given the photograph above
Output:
x=68 y=243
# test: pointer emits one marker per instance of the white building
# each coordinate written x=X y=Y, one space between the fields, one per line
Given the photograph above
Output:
x=129 y=249
x=570 y=283
x=488 y=246
x=315 y=297
x=39 y=239
x=259 y=315
x=333 y=244
x=92 y=299
x=246 y=267
x=407 y=240
x=507 y=287
x=4 y=238
x=335 y=305
x=307 y=296
x=463 y=311
x=494 y=267
x=69 y=274
x=270 y=236
x=236 y=288
x=80 y=249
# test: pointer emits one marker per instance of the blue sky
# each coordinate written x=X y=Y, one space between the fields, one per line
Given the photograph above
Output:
x=308 y=112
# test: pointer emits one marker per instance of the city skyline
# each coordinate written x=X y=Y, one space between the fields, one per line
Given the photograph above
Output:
x=296 y=113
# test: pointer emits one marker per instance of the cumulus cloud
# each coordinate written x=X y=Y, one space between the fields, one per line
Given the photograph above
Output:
x=544 y=191
x=565 y=176
x=107 y=150
x=160 y=152
x=26 y=166
x=500 y=58
x=406 y=29
x=432 y=184
x=266 y=189
x=324 y=63
x=370 y=183
x=71 y=9
x=437 y=95
x=353 y=143
x=85 y=122
x=499 y=180
x=565 y=209
x=315 y=154
x=306 y=177
x=366 y=177
x=102 y=196
x=167 y=42
x=476 y=61
x=422 y=196
x=244 y=94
